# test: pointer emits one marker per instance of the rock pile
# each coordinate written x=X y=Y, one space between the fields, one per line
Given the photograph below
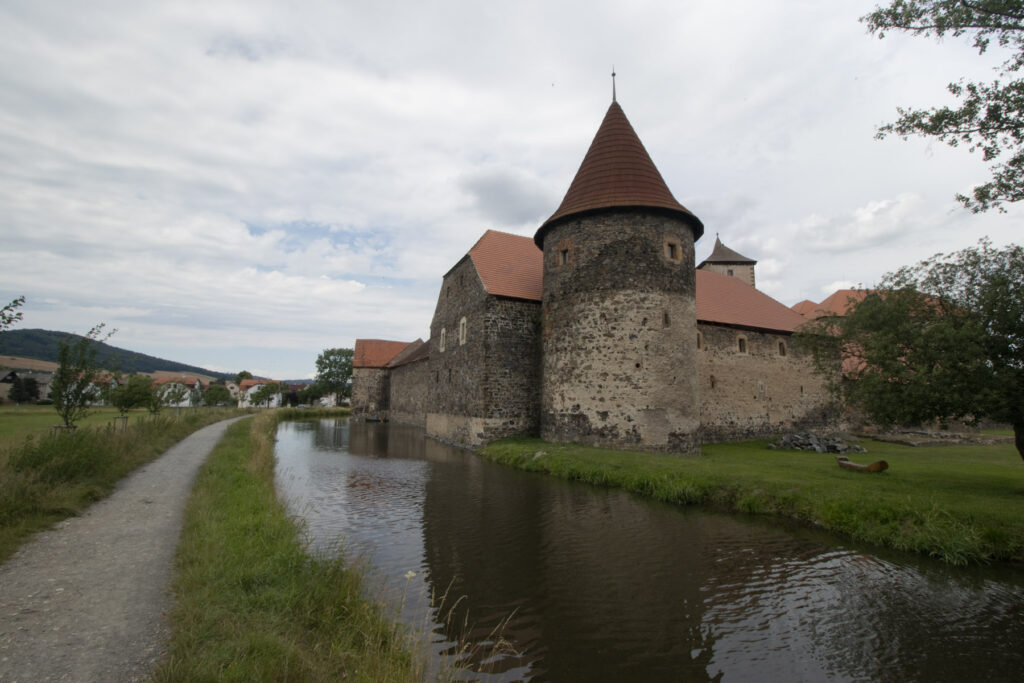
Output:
x=809 y=441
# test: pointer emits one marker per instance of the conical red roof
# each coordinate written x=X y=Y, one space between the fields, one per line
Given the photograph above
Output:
x=617 y=172
x=722 y=254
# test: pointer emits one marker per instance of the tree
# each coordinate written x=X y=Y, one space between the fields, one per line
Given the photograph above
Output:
x=173 y=394
x=8 y=314
x=244 y=374
x=24 y=390
x=311 y=393
x=135 y=392
x=216 y=394
x=943 y=339
x=265 y=394
x=334 y=371
x=73 y=384
x=990 y=118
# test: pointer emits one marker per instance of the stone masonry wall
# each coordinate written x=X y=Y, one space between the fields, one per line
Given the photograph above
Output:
x=744 y=272
x=512 y=375
x=760 y=391
x=370 y=392
x=618 y=315
x=410 y=392
x=483 y=385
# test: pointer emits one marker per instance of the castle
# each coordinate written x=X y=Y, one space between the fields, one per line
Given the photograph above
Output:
x=599 y=330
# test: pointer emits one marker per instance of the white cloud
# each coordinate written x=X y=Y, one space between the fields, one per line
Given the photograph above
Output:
x=247 y=183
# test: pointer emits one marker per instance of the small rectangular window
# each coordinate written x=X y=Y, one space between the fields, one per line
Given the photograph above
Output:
x=563 y=257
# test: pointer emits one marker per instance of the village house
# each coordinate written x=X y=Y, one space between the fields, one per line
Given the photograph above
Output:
x=599 y=329
x=184 y=391
x=247 y=388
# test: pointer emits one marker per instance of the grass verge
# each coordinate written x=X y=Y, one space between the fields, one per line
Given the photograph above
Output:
x=251 y=604
x=961 y=504
x=44 y=479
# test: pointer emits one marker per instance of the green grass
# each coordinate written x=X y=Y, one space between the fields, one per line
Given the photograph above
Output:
x=18 y=422
x=44 y=478
x=251 y=604
x=961 y=504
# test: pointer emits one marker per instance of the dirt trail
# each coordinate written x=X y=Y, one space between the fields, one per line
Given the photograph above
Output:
x=88 y=600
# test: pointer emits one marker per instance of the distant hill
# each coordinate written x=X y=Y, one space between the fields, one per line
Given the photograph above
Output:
x=44 y=345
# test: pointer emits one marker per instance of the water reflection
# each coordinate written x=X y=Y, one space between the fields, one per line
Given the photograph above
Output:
x=603 y=586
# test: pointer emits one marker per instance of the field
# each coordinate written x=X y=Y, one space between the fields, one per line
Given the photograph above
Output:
x=962 y=504
x=18 y=422
x=45 y=478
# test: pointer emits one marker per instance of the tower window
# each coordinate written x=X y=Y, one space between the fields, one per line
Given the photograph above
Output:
x=665 y=321
x=443 y=335
x=700 y=341
x=782 y=348
x=729 y=272
x=712 y=381
x=673 y=251
x=462 y=331
x=741 y=344
x=563 y=257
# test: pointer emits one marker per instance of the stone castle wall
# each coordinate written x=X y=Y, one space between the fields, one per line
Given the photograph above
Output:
x=485 y=382
x=370 y=392
x=759 y=391
x=618 y=315
x=410 y=393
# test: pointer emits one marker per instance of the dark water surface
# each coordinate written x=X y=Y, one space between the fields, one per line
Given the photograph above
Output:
x=599 y=585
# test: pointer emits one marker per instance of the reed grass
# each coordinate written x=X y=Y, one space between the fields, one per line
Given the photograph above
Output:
x=251 y=604
x=45 y=478
x=960 y=504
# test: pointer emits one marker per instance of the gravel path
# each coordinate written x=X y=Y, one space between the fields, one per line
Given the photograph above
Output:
x=88 y=600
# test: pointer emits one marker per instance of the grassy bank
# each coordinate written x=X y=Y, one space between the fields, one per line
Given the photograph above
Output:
x=959 y=504
x=44 y=478
x=251 y=605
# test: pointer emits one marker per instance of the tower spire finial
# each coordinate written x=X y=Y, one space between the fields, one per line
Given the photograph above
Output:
x=613 y=82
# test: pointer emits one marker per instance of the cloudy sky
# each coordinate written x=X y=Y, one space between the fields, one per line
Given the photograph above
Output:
x=239 y=185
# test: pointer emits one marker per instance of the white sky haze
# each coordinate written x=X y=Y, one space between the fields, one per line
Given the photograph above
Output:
x=239 y=185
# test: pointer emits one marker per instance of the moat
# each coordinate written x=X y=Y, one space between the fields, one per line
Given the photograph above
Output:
x=589 y=584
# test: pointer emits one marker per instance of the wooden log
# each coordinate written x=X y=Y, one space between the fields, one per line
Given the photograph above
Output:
x=878 y=466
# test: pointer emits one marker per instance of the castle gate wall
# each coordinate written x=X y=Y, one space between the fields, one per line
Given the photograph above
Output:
x=410 y=393
x=618 y=314
x=767 y=387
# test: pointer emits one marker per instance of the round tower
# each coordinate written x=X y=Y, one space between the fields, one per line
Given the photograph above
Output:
x=618 y=317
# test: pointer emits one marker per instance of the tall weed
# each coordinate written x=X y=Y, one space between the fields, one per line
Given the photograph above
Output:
x=47 y=478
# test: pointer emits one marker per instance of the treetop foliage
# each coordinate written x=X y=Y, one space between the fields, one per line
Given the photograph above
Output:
x=943 y=339
x=990 y=118
x=8 y=314
x=334 y=370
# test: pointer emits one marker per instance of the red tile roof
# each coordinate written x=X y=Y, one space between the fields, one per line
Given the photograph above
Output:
x=724 y=255
x=836 y=304
x=249 y=383
x=375 y=353
x=187 y=380
x=617 y=172
x=720 y=298
x=417 y=350
x=804 y=307
x=729 y=301
x=509 y=265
